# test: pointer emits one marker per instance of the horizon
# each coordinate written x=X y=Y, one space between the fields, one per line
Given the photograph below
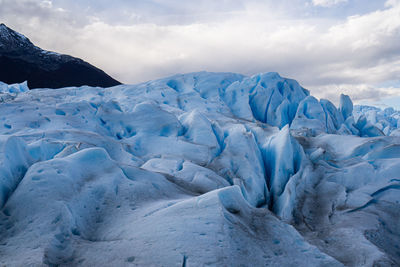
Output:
x=328 y=46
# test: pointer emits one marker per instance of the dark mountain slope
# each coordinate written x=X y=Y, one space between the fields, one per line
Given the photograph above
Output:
x=20 y=60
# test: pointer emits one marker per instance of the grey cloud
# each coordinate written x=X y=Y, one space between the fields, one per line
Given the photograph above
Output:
x=41 y=12
x=166 y=12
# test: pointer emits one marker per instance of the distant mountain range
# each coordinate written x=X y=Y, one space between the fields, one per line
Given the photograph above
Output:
x=21 y=60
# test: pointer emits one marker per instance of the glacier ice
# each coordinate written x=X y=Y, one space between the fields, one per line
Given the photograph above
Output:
x=13 y=88
x=345 y=106
x=310 y=116
x=380 y=122
x=196 y=169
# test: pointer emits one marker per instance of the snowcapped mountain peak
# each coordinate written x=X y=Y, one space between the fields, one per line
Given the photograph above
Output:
x=12 y=40
x=3 y=27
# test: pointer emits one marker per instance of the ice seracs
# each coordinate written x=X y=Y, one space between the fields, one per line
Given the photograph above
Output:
x=196 y=169
x=345 y=106
x=13 y=88
x=387 y=121
x=267 y=97
x=283 y=158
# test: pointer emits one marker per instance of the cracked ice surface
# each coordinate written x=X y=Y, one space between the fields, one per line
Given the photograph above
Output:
x=198 y=169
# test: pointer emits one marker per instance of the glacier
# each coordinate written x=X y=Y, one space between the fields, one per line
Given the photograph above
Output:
x=198 y=169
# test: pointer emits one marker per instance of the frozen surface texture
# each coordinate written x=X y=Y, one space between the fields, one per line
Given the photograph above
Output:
x=201 y=169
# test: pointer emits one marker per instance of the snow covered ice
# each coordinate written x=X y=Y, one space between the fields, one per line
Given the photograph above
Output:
x=199 y=169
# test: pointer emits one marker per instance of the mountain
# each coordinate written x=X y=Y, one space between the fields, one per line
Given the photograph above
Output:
x=20 y=60
x=198 y=169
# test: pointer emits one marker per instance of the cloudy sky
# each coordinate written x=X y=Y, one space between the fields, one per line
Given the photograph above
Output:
x=329 y=46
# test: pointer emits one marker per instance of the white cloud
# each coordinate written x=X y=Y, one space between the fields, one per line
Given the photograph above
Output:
x=327 y=3
x=390 y=3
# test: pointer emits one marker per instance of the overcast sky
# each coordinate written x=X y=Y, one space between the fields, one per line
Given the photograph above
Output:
x=329 y=46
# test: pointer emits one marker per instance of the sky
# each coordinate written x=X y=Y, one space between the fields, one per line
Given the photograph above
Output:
x=329 y=46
